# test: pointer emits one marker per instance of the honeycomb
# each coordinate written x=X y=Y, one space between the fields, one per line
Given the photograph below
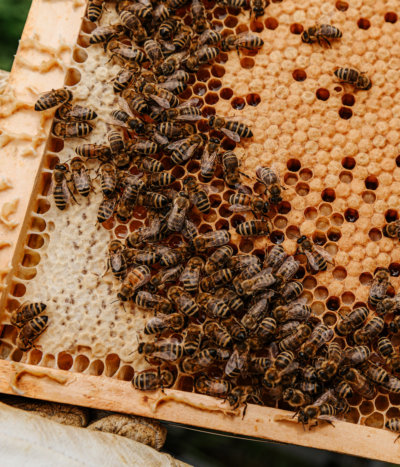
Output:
x=336 y=150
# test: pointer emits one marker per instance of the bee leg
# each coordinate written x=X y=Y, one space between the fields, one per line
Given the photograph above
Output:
x=312 y=426
x=327 y=42
x=396 y=439
x=244 y=410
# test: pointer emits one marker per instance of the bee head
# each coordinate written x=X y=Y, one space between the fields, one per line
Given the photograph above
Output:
x=305 y=37
x=140 y=347
x=211 y=120
x=301 y=239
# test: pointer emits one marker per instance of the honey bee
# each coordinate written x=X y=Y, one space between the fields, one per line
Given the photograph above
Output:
x=240 y=395
x=178 y=130
x=216 y=280
x=244 y=40
x=240 y=262
x=212 y=239
x=354 y=77
x=153 y=51
x=296 y=398
x=183 y=112
x=258 y=6
x=238 y=361
x=217 y=259
x=317 y=257
x=135 y=279
x=158 y=180
x=152 y=200
x=287 y=328
x=229 y=297
x=291 y=291
x=171 y=65
x=133 y=123
x=392 y=229
x=379 y=286
x=160 y=12
x=393 y=424
x=243 y=275
x=388 y=305
x=357 y=355
x=209 y=158
x=61 y=191
x=389 y=354
x=394 y=325
x=143 y=147
x=244 y=202
x=160 y=280
x=375 y=373
x=182 y=38
x=254 y=227
x=159 y=95
x=190 y=277
x=198 y=363
x=184 y=149
x=30 y=331
x=108 y=178
x=287 y=270
x=232 y=3
x=136 y=102
x=234 y=130
x=71 y=130
x=106 y=209
x=316 y=412
x=369 y=331
x=169 y=26
x=53 y=98
x=177 y=214
x=75 y=113
x=142 y=10
x=215 y=387
x=295 y=340
x=26 y=313
x=255 y=313
x=282 y=365
x=150 y=380
x=321 y=32
x=237 y=331
x=152 y=302
x=343 y=390
x=125 y=53
x=177 y=86
x=105 y=33
x=392 y=385
x=192 y=337
x=210 y=37
x=214 y=307
x=183 y=301
x=270 y=178
x=267 y=328
x=116 y=260
x=359 y=383
x=95 y=9
x=124 y=78
x=259 y=364
x=295 y=311
x=319 y=336
x=172 y=322
x=199 y=15
x=217 y=333
x=261 y=281
x=101 y=152
x=197 y=195
x=148 y=255
x=171 y=257
x=80 y=177
x=201 y=56
x=132 y=22
x=352 y=321
x=189 y=230
x=168 y=350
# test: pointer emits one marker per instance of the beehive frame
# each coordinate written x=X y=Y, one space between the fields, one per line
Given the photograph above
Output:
x=103 y=392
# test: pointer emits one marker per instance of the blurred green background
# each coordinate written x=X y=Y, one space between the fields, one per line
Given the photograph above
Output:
x=199 y=449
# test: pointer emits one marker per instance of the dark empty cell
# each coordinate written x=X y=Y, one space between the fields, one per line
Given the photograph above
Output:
x=199 y=89
x=302 y=189
x=319 y=238
x=238 y=103
x=338 y=88
x=345 y=113
x=211 y=98
x=398 y=161
x=231 y=21
x=394 y=269
x=390 y=17
x=328 y=195
x=277 y=237
x=178 y=171
x=217 y=70
x=364 y=23
x=329 y=319
x=64 y=361
x=296 y=28
x=246 y=245
x=234 y=11
x=253 y=99
x=256 y=26
x=236 y=220
x=242 y=28
x=228 y=144
x=207 y=111
x=348 y=99
x=193 y=166
x=339 y=273
x=217 y=25
x=202 y=125
x=204 y=74
x=365 y=278
x=73 y=77
x=220 y=13
x=271 y=23
x=299 y=75
x=224 y=210
x=290 y=179
x=293 y=232
x=309 y=282
x=55 y=144
x=214 y=84
x=226 y=93
x=222 y=57
x=391 y=215
x=300 y=273
x=348 y=163
x=247 y=63
x=334 y=235
x=342 y=6
x=306 y=174
x=371 y=182
x=185 y=94
x=351 y=215
x=284 y=207
x=333 y=303
x=310 y=213
x=220 y=225
x=215 y=200
x=294 y=165
x=322 y=94
x=375 y=235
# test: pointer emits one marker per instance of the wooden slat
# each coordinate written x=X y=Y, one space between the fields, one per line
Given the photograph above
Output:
x=188 y=408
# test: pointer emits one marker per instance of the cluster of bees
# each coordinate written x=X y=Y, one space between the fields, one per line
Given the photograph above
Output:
x=234 y=323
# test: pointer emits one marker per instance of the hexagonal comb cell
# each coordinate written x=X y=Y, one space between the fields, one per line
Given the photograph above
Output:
x=335 y=149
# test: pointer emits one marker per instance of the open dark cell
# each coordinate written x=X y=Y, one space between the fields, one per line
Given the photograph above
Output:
x=345 y=113
x=394 y=269
x=238 y=103
x=328 y=195
x=371 y=182
x=322 y=94
x=333 y=303
x=391 y=215
x=348 y=99
x=351 y=215
x=296 y=28
x=391 y=17
x=299 y=75
x=271 y=23
x=253 y=99
x=348 y=163
x=293 y=165
x=226 y=93
x=364 y=23
x=277 y=237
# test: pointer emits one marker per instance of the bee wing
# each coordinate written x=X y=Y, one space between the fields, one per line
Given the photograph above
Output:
x=239 y=208
x=311 y=260
x=327 y=396
x=66 y=190
x=189 y=103
x=170 y=84
x=176 y=144
x=231 y=134
x=290 y=368
x=244 y=37
x=208 y=160
x=160 y=101
x=324 y=253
